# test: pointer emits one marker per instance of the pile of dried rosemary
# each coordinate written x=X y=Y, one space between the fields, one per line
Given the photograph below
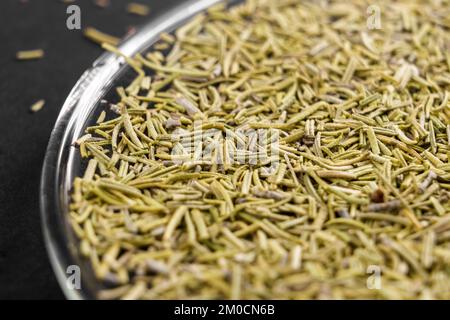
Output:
x=355 y=124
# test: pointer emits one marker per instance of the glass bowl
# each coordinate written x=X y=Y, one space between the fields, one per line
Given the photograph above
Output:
x=62 y=161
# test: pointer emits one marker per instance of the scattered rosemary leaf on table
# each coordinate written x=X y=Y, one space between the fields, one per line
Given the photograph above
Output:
x=275 y=150
x=138 y=9
x=37 y=106
x=100 y=37
x=30 y=54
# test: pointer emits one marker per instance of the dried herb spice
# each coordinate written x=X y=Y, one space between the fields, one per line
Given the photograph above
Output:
x=348 y=170
x=37 y=106
x=138 y=9
x=30 y=54
x=100 y=37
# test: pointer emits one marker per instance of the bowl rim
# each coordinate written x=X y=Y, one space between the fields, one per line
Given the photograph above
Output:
x=70 y=123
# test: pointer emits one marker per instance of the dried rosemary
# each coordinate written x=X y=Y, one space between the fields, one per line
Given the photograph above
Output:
x=344 y=164
x=37 y=106
x=138 y=9
x=30 y=54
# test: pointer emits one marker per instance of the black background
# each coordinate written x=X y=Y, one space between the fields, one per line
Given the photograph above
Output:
x=25 y=271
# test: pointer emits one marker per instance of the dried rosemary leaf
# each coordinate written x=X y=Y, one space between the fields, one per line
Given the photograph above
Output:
x=138 y=9
x=30 y=54
x=100 y=37
x=37 y=106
